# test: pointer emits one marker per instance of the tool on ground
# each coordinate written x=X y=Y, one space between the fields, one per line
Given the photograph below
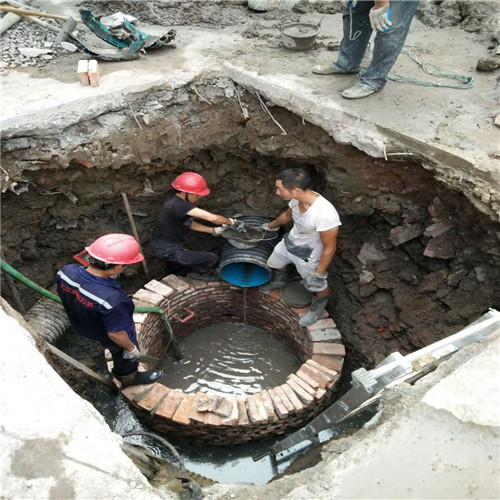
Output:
x=134 y=230
x=66 y=30
x=368 y=386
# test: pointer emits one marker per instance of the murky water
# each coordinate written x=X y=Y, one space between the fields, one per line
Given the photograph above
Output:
x=230 y=358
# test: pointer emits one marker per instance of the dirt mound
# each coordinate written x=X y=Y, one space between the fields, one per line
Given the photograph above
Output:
x=482 y=17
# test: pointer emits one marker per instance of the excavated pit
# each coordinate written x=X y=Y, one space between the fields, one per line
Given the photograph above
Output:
x=415 y=261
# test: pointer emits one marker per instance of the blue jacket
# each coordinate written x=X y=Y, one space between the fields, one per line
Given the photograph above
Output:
x=94 y=305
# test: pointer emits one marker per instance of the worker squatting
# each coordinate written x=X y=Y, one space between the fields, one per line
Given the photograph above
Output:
x=100 y=310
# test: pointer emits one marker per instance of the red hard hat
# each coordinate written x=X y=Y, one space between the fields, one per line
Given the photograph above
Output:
x=116 y=249
x=191 y=182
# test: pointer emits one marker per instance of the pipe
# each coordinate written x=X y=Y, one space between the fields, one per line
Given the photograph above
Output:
x=248 y=267
x=52 y=296
x=49 y=319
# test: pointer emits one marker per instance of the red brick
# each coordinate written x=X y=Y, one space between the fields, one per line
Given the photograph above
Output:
x=278 y=404
x=266 y=400
x=159 y=288
x=212 y=419
x=139 y=317
x=131 y=392
x=175 y=282
x=194 y=414
x=253 y=411
x=148 y=297
x=322 y=379
x=242 y=413
x=303 y=380
x=304 y=396
x=288 y=404
x=319 y=394
x=275 y=294
x=306 y=377
x=170 y=404
x=151 y=399
x=320 y=367
x=328 y=348
x=322 y=324
x=329 y=361
x=232 y=419
x=181 y=415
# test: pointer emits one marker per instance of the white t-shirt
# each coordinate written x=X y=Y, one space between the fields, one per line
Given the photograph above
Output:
x=320 y=216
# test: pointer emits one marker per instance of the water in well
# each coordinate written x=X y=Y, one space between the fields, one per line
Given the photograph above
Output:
x=230 y=358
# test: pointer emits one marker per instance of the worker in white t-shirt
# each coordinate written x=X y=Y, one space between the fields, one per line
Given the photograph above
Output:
x=310 y=245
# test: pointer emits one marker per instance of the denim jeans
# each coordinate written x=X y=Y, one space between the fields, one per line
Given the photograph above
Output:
x=387 y=45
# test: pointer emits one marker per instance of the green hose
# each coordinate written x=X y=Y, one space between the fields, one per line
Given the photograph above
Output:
x=52 y=296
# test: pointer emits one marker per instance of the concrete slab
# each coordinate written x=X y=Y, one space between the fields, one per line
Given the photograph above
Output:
x=55 y=444
x=451 y=131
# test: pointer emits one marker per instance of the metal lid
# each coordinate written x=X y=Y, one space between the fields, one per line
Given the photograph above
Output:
x=295 y=295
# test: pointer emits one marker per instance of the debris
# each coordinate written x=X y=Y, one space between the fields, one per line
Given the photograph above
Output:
x=488 y=63
x=83 y=72
x=403 y=234
x=333 y=45
x=66 y=30
x=369 y=253
x=33 y=52
x=442 y=247
x=69 y=46
x=497 y=120
x=8 y=20
x=366 y=277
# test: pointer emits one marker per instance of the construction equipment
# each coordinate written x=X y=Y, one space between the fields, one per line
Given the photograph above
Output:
x=368 y=386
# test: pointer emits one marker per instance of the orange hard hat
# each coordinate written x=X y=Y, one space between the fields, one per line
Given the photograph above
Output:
x=191 y=182
x=116 y=248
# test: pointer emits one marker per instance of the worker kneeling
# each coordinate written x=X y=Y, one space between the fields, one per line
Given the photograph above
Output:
x=100 y=310
x=310 y=245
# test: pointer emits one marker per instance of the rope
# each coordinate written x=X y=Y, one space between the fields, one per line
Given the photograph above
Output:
x=430 y=69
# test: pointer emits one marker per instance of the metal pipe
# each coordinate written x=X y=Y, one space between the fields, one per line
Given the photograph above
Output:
x=134 y=230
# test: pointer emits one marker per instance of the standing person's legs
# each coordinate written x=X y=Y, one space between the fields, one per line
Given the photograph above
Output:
x=388 y=44
x=278 y=261
x=354 y=42
x=121 y=366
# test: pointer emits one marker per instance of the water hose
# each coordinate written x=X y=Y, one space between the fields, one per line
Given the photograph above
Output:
x=52 y=296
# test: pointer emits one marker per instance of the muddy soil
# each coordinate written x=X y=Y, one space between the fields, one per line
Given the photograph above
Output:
x=415 y=261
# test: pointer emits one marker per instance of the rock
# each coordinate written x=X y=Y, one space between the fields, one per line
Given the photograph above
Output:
x=32 y=52
x=431 y=282
x=369 y=253
x=497 y=120
x=366 y=277
x=333 y=45
x=488 y=63
x=437 y=229
x=455 y=278
x=481 y=274
x=442 y=247
x=402 y=234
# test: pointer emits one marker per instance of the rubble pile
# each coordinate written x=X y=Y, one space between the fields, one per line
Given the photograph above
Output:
x=26 y=44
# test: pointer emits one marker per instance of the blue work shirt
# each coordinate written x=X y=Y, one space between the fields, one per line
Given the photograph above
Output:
x=94 y=305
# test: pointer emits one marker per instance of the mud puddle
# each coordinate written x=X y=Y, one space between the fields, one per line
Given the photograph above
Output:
x=230 y=358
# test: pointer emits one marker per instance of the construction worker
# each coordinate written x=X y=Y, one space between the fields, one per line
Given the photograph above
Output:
x=310 y=245
x=176 y=218
x=100 y=310
x=391 y=20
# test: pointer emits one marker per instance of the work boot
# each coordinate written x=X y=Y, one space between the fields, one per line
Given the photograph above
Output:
x=358 y=91
x=331 y=69
x=140 y=378
x=279 y=280
x=317 y=308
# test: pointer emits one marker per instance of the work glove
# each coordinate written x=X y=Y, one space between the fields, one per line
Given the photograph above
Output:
x=315 y=281
x=350 y=4
x=379 y=18
x=219 y=230
x=266 y=227
x=132 y=355
x=238 y=225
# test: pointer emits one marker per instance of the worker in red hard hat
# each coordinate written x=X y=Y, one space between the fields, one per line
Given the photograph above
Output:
x=100 y=310
x=177 y=217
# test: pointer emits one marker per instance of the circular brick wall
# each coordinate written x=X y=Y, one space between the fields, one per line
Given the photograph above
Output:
x=231 y=420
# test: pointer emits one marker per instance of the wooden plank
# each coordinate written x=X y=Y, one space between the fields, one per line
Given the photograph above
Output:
x=297 y=404
x=299 y=380
x=304 y=396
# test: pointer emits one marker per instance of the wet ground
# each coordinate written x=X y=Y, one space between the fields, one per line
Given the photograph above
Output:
x=230 y=358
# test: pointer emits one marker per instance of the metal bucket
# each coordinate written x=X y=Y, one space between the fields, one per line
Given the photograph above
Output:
x=299 y=36
x=248 y=267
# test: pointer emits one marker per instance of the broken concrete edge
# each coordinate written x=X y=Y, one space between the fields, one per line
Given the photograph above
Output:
x=375 y=139
x=303 y=395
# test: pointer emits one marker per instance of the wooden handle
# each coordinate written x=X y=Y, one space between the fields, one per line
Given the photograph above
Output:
x=25 y=12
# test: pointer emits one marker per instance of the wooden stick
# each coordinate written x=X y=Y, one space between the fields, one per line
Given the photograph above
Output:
x=134 y=230
x=26 y=12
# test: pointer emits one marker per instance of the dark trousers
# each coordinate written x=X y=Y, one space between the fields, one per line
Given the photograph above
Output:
x=121 y=366
x=198 y=260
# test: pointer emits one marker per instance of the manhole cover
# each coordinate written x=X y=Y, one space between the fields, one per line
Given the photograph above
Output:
x=295 y=295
